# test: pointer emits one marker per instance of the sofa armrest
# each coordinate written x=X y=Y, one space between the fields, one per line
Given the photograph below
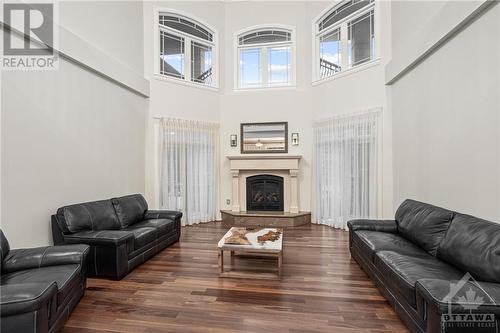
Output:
x=20 y=259
x=436 y=293
x=110 y=238
x=373 y=225
x=26 y=297
x=109 y=251
x=162 y=214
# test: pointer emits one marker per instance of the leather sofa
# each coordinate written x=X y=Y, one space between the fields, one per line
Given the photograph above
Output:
x=122 y=232
x=415 y=259
x=40 y=287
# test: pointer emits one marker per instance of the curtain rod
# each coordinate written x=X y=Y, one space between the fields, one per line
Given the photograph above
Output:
x=191 y=120
x=173 y=118
x=320 y=122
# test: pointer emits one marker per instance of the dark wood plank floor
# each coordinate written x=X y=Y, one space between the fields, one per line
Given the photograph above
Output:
x=322 y=290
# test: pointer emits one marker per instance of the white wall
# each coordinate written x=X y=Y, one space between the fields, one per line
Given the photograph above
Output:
x=446 y=119
x=115 y=27
x=70 y=135
x=409 y=17
x=171 y=99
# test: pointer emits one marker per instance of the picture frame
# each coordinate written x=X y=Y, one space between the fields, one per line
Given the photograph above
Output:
x=264 y=138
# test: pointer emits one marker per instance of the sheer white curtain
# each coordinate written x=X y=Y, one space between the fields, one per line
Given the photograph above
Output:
x=188 y=166
x=345 y=174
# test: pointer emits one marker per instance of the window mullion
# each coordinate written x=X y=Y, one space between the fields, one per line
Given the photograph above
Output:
x=239 y=68
x=374 y=30
x=162 y=49
x=317 y=56
x=344 y=42
x=264 y=67
x=187 y=57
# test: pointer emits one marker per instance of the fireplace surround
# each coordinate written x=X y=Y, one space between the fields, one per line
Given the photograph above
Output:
x=281 y=165
x=269 y=173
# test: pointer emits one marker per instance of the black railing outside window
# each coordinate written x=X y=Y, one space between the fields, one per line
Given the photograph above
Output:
x=327 y=68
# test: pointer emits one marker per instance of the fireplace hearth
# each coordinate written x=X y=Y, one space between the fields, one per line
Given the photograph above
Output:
x=265 y=193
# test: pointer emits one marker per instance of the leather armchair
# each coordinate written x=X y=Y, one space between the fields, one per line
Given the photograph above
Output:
x=39 y=287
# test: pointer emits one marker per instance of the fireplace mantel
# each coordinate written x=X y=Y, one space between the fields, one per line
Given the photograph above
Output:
x=243 y=166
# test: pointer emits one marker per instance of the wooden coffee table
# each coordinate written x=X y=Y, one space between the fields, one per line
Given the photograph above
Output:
x=258 y=242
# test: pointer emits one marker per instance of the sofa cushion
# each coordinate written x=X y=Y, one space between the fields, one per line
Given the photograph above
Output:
x=96 y=215
x=130 y=209
x=143 y=236
x=370 y=242
x=423 y=224
x=162 y=226
x=401 y=271
x=473 y=245
x=66 y=276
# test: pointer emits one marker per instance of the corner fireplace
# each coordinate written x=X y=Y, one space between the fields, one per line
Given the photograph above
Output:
x=264 y=193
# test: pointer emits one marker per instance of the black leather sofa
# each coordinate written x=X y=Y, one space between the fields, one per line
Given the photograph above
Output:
x=40 y=287
x=414 y=259
x=122 y=232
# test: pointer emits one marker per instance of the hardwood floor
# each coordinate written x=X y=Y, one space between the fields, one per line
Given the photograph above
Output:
x=322 y=290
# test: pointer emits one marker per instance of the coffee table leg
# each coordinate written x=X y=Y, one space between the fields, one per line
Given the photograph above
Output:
x=221 y=262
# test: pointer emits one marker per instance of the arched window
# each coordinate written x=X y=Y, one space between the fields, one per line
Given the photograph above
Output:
x=345 y=37
x=265 y=58
x=186 y=49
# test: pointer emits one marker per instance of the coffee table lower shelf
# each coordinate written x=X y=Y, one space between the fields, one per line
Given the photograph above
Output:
x=254 y=254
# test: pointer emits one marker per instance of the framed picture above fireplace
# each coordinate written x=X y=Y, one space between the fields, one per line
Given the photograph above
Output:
x=258 y=138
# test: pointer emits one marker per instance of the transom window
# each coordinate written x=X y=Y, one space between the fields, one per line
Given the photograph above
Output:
x=186 y=49
x=265 y=58
x=345 y=37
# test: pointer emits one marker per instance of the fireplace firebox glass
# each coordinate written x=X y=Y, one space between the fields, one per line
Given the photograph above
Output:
x=264 y=193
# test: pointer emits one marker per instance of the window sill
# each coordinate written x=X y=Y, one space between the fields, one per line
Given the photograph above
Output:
x=238 y=90
x=182 y=82
x=350 y=71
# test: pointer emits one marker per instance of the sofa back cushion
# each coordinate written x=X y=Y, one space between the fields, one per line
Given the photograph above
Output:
x=130 y=209
x=473 y=245
x=4 y=248
x=96 y=215
x=423 y=224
